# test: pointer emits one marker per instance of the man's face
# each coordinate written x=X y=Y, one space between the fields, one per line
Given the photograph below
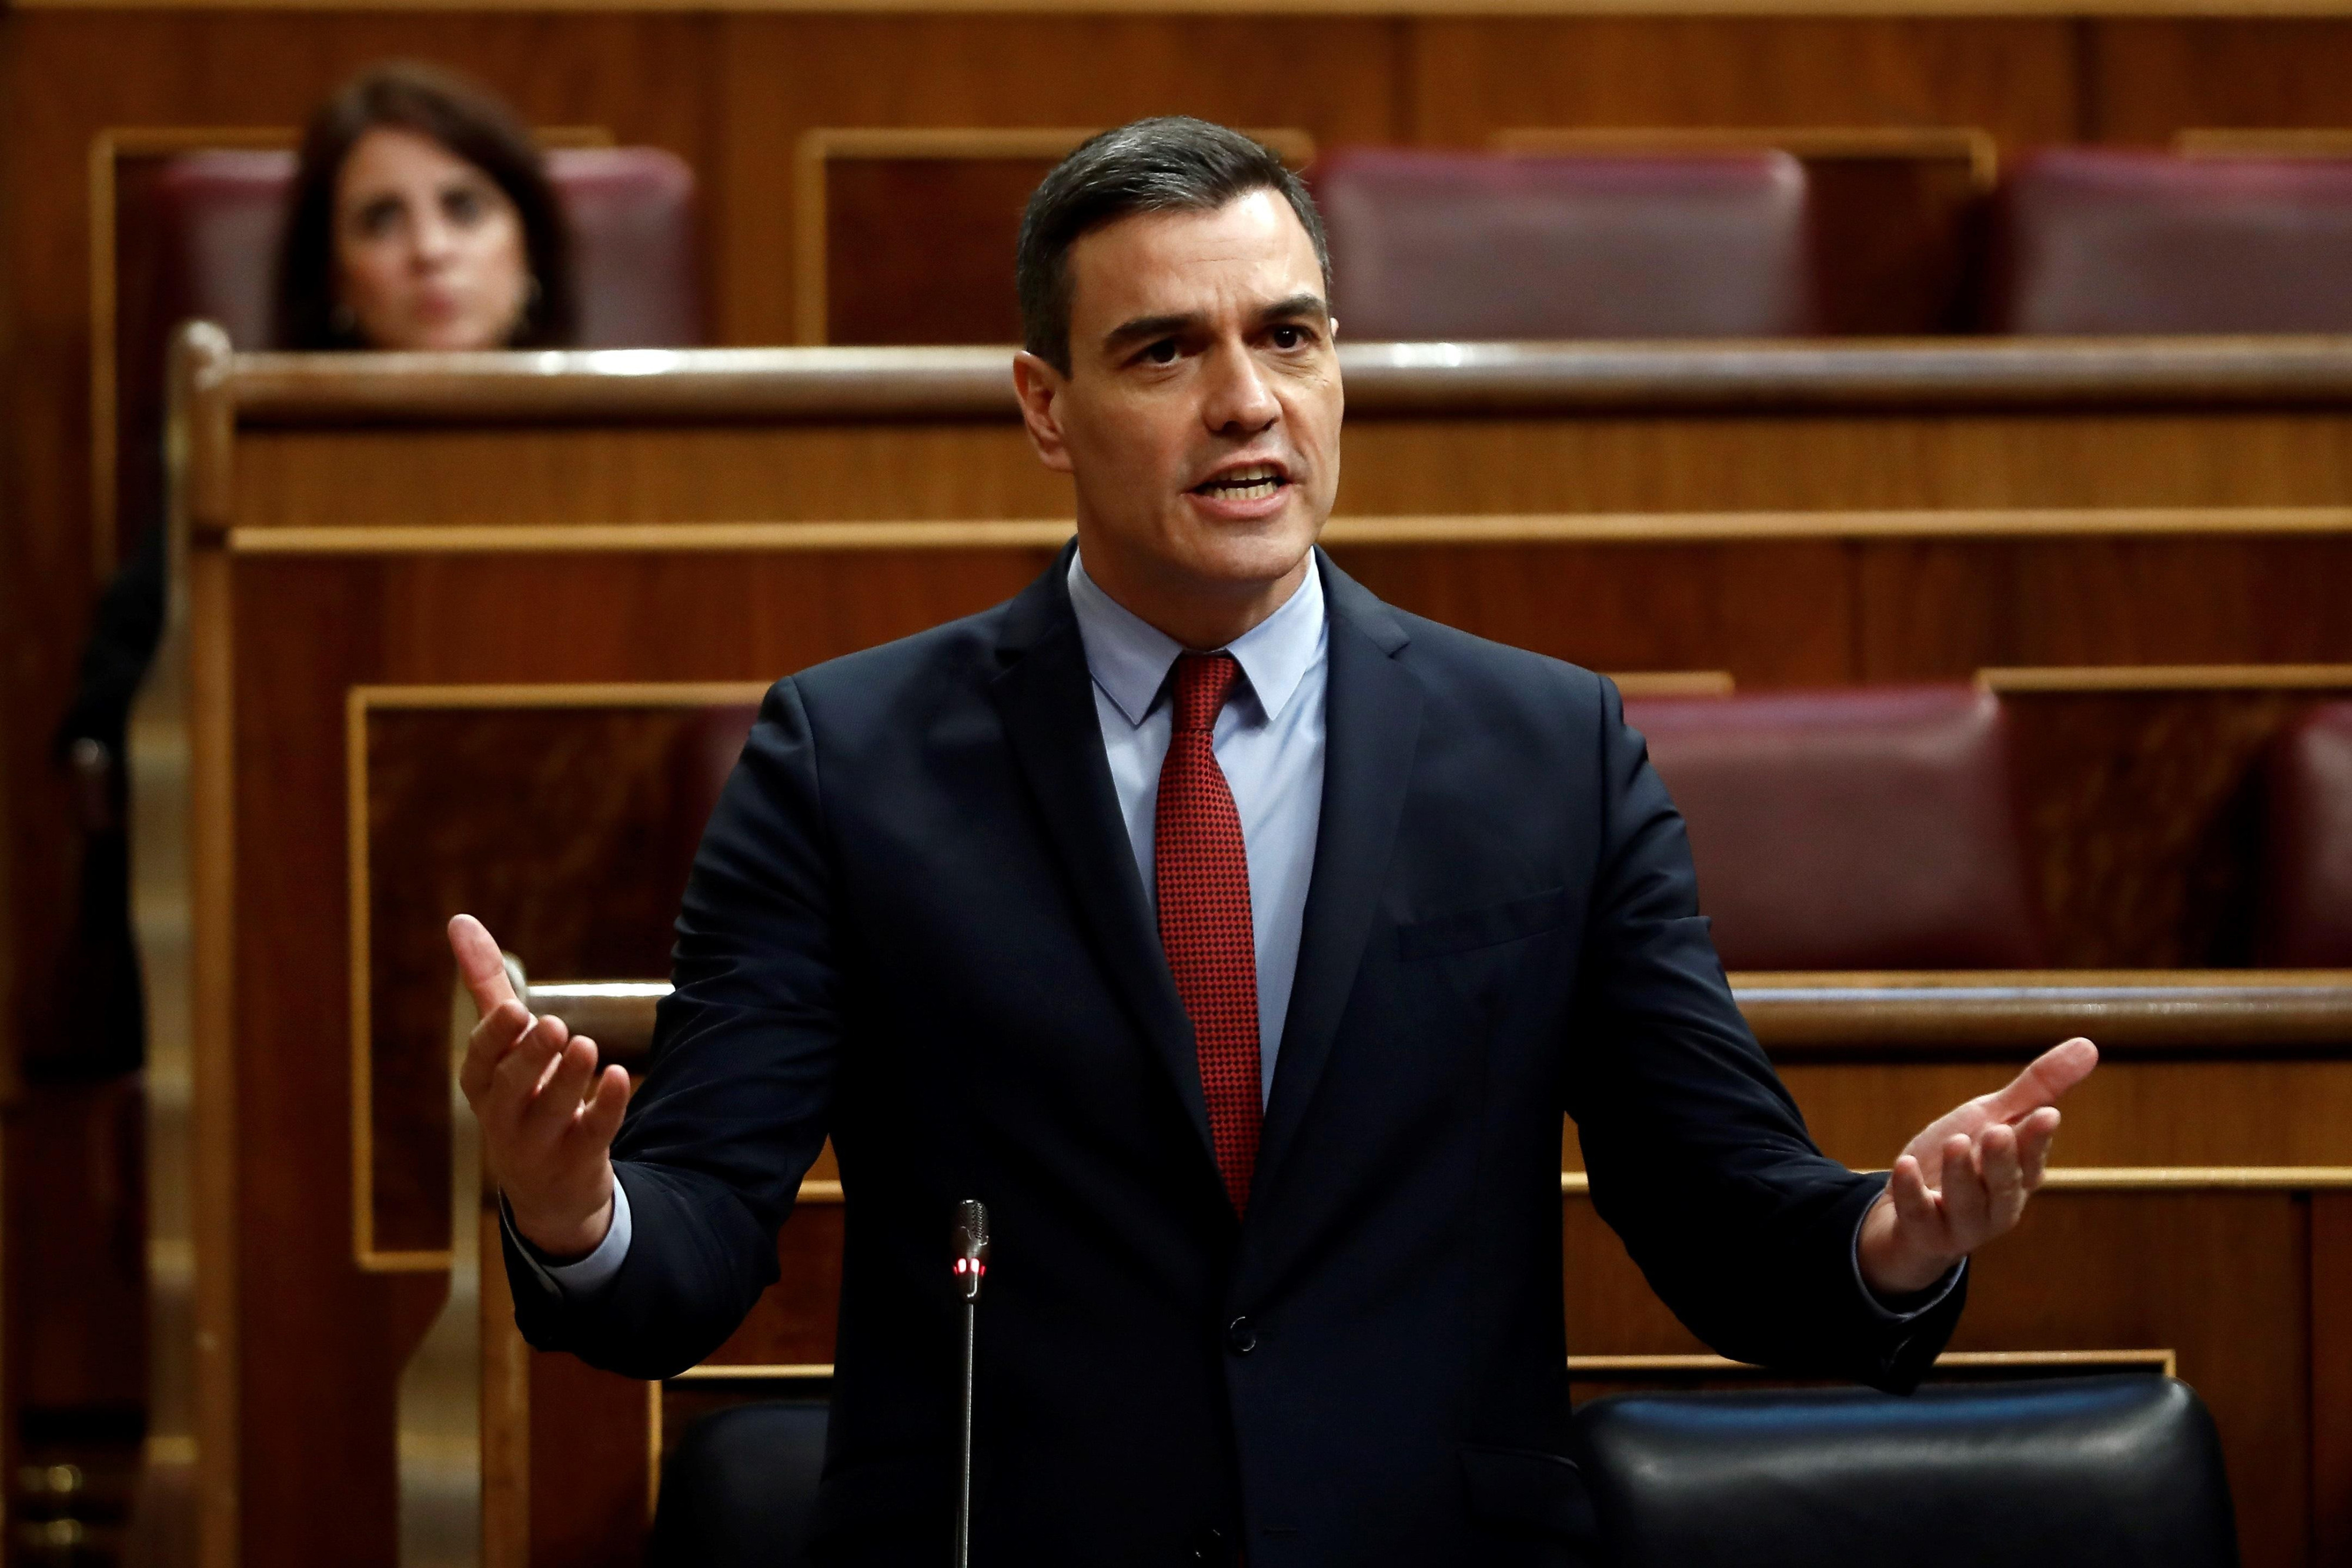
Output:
x=1200 y=414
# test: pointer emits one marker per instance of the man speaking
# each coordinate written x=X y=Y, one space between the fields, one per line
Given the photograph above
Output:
x=1240 y=941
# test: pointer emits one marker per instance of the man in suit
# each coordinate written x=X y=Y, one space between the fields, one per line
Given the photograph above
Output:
x=1240 y=940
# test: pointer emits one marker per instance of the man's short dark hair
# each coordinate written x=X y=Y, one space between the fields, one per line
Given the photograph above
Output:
x=1171 y=165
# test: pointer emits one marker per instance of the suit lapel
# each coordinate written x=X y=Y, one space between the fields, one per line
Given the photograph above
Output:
x=1372 y=722
x=1045 y=698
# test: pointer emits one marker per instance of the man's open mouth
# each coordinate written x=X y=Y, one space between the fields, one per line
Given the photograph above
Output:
x=1252 y=483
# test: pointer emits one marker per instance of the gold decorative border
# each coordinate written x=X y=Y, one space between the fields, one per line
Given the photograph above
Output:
x=1953 y=143
x=2164 y=1361
x=108 y=148
x=823 y=145
x=2087 y=678
x=1465 y=528
x=2141 y=1178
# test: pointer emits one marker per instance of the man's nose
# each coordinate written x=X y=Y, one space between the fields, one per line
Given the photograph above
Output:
x=1238 y=398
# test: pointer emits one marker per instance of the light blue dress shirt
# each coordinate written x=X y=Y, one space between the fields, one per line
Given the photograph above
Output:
x=1268 y=741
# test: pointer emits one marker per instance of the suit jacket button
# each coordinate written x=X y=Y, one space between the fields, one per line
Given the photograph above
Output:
x=1241 y=1336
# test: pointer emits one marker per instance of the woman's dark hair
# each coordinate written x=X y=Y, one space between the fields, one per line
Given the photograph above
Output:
x=472 y=124
x=1171 y=163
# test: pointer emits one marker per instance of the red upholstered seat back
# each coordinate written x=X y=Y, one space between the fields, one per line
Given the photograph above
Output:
x=1865 y=829
x=1465 y=246
x=2306 y=915
x=2091 y=240
x=219 y=215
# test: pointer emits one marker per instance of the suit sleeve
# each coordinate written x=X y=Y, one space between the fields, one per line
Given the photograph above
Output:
x=736 y=1104
x=1698 y=1157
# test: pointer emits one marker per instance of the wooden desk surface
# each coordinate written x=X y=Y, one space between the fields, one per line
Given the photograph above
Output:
x=1383 y=379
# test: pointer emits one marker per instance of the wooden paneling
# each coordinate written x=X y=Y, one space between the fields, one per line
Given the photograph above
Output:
x=514 y=814
x=2145 y=78
x=2331 y=1378
x=2144 y=808
x=2014 y=76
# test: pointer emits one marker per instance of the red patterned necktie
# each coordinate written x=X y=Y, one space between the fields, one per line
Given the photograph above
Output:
x=1204 y=916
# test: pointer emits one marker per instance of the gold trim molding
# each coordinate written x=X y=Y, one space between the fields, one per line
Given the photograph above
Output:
x=1465 y=528
x=2141 y=1178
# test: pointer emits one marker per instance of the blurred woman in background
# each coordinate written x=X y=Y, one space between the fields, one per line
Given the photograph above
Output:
x=421 y=218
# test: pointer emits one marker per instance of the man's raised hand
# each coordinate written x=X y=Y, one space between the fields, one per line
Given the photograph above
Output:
x=1965 y=1178
x=548 y=1116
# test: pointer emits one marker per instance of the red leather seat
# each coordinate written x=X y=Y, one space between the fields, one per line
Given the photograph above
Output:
x=2306 y=913
x=218 y=216
x=2094 y=240
x=1866 y=829
x=1467 y=246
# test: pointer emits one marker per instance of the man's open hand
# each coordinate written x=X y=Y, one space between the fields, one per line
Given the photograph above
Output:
x=548 y=1116
x=1965 y=1179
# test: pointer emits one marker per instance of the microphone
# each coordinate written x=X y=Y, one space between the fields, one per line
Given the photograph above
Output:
x=971 y=1247
x=971 y=1268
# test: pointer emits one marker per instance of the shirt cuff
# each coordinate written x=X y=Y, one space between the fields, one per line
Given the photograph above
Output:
x=1902 y=1311
x=583 y=1276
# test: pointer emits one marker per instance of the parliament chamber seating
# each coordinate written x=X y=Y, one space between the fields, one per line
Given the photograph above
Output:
x=2306 y=915
x=1470 y=245
x=1864 y=828
x=2102 y=240
x=2124 y=1471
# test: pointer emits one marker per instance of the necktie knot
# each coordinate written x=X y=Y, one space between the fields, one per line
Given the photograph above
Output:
x=1203 y=681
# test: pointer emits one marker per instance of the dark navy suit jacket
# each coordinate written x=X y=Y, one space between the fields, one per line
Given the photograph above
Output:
x=915 y=924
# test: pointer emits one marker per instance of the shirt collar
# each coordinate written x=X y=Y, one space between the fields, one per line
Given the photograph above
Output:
x=1129 y=658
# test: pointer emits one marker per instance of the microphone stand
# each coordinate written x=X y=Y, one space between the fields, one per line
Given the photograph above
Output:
x=971 y=1268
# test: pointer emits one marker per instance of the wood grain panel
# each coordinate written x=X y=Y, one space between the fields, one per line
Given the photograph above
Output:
x=1777 y=616
x=2331 y=1378
x=2130 y=1114
x=2144 y=812
x=2013 y=76
x=1936 y=605
x=953 y=288
x=589 y=1460
x=2147 y=77
x=600 y=474
x=783 y=77
x=519 y=816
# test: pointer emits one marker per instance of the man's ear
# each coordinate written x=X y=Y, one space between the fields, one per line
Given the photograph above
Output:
x=1040 y=386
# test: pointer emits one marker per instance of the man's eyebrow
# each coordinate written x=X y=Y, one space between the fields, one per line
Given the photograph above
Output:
x=1144 y=328
x=1297 y=305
